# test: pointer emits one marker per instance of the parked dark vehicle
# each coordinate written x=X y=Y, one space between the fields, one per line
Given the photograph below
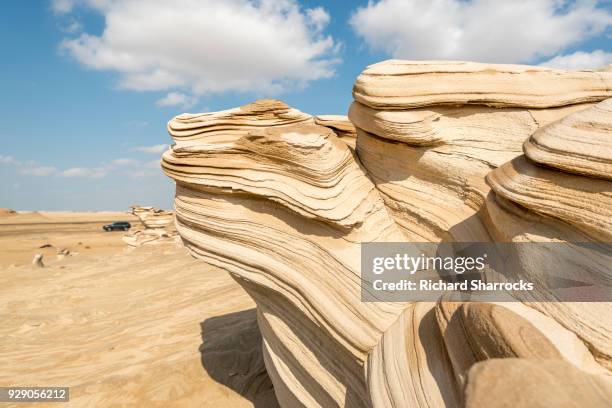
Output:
x=117 y=226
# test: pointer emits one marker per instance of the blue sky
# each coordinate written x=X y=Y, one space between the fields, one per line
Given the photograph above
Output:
x=88 y=85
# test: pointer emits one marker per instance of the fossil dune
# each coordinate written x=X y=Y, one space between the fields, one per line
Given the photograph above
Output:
x=158 y=227
x=443 y=151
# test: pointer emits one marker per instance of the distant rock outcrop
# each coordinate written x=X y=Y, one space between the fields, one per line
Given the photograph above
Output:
x=38 y=261
x=152 y=218
x=280 y=201
x=7 y=211
x=157 y=227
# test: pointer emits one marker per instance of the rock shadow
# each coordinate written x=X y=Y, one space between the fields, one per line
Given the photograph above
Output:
x=231 y=354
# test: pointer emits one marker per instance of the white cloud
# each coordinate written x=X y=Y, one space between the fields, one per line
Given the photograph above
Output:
x=148 y=169
x=581 y=60
x=33 y=168
x=39 y=171
x=99 y=171
x=145 y=173
x=102 y=170
x=30 y=167
x=479 y=30
x=121 y=162
x=8 y=160
x=62 y=6
x=84 y=172
x=177 y=99
x=153 y=164
x=71 y=27
x=318 y=18
x=155 y=149
x=204 y=46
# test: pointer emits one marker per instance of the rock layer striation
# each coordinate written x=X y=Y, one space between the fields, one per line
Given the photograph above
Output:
x=282 y=201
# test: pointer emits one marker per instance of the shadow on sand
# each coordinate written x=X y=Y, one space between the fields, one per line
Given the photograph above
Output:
x=232 y=355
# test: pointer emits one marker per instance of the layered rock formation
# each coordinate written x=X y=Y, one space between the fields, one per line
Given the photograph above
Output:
x=397 y=84
x=229 y=125
x=152 y=218
x=341 y=125
x=157 y=227
x=561 y=191
x=282 y=202
x=284 y=209
x=454 y=122
x=578 y=144
x=543 y=384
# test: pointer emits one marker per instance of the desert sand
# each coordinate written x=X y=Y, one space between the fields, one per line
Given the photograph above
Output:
x=146 y=326
x=22 y=234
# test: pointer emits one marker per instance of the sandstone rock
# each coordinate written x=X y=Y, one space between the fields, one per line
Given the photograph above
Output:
x=579 y=201
x=415 y=127
x=470 y=128
x=282 y=204
x=433 y=191
x=284 y=210
x=302 y=167
x=580 y=143
x=396 y=84
x=152 y=218
x=341 y=125
x=533 y=203
x=158 y=227
x=230 y=124
x=508 y=222
x=38 y=261
x=481 y=331
x=410 y=367
x=433 y=181
x=521 y=383
x=474 y=332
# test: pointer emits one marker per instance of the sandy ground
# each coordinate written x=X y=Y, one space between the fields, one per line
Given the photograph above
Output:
x=145 y=327
x=22 y=235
